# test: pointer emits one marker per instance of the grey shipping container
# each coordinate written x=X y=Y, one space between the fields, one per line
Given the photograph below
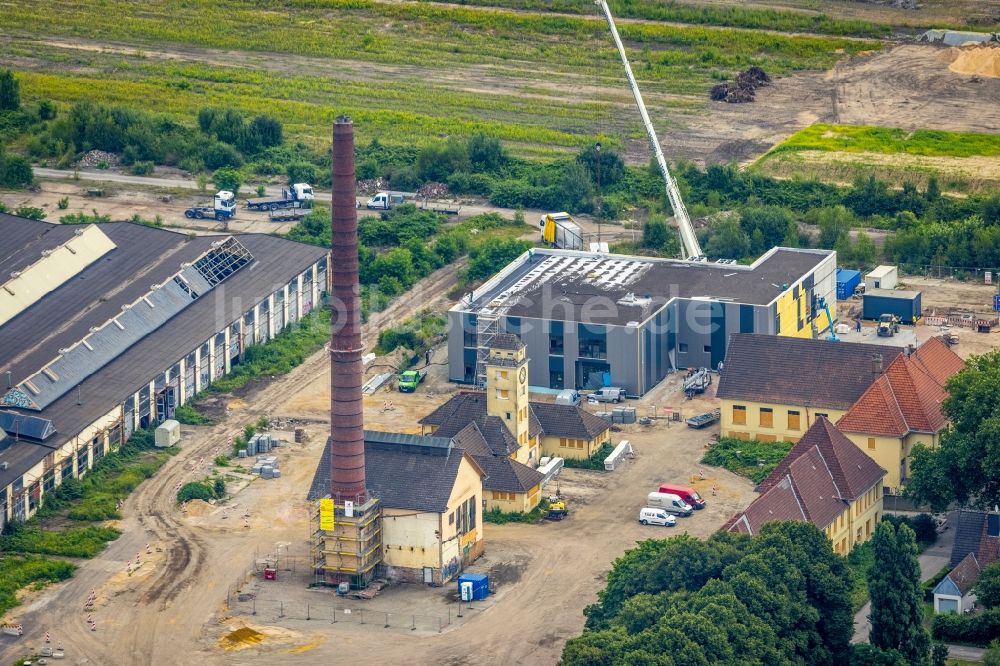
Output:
x=903 y=304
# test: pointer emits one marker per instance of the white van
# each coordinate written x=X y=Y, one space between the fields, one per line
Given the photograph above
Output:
x=669 y=502
x=651 y=516
x=568 y=397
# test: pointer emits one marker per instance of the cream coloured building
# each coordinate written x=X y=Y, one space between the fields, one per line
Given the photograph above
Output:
x=825 y=480
x=108 y=328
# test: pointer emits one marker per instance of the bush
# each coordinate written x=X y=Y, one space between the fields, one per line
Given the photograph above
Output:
x=30 y=212
x=63 y=203
x=219 y=488
x=71 y=542
x=46 y=110
x=302 y=172
x=188 y=415
x=20 y=572
x=227 y=178
x=494 y=255
x=498 y=517
x=143 y=168
x=83 y=218
x=978 y=628
x=10 y=91
x=922 y=525
x=595 y=461
x=749 y=458
x=195 y=490
x=15 y=171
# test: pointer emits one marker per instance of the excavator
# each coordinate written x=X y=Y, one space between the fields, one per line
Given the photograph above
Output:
x=691 y=247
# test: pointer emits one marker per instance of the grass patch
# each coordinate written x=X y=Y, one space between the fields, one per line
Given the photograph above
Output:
x=859 y=563
x=595 y=461
x=188 y=415
x=431 y=41
x=280 y=354
x=888 y=140
x=417 y=334
x=95 y=497
x=19 y=572
x=71 y=542
x=498 y=517
x=749 y=458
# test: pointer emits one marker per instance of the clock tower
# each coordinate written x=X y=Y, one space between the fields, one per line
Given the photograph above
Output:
x=507 y=391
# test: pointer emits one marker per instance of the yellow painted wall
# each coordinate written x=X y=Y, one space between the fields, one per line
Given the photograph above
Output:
x=559 y=446
x=790 y=310
x=49 y=272
x=890 y=451
x=857 y=524
x=409 y=539
x=513 y=502
x=780 y=431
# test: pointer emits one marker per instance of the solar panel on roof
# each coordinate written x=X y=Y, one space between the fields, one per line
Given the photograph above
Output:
x=993 y=525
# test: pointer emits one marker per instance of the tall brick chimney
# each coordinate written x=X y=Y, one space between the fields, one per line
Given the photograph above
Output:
x=347 y=437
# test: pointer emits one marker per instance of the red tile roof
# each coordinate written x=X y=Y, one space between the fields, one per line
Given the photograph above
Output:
x=965 y=575
x=816 y=481
x=907 y=397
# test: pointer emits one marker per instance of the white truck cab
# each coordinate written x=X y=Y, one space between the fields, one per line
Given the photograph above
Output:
x=385 y=201
x=302 y=192
x=225 y=201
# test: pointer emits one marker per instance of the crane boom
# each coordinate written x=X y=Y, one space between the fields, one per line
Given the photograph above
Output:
x=688 y=237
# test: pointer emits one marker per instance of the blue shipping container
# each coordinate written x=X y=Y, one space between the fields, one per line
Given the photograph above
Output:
x=480 y=585
x=903 y=304
x=847 y=282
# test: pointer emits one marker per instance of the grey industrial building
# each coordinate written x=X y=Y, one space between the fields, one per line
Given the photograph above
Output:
x=590 y=319
x=107 y=328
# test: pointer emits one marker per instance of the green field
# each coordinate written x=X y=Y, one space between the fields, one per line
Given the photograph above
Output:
x=962 y=162
x=888 y=140
x=407 y=72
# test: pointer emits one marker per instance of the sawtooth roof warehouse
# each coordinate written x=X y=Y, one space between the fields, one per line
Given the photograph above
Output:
x=107 y=328
x=593 y=319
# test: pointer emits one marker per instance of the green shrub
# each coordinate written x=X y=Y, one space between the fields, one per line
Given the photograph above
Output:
x=859 y=563
x=142 y=168
x=188 y=415
x=83 y=218
x=978 y=628
x=19 y=572
x=749 y=458
x=922 y=525
x=70 y=542
x=63 y=203
x=30 y=212
x=221 y=461
x=195 y=490
x=595 y=461
x=498 y=517
x=219 y=488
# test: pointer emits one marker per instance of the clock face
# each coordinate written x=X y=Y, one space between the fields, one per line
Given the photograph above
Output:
x=523 y=374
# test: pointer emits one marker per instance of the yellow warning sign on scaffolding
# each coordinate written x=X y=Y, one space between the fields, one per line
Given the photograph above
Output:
x=326 y=522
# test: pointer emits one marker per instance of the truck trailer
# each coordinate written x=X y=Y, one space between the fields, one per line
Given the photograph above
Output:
x=561 y=231
x=296 y=195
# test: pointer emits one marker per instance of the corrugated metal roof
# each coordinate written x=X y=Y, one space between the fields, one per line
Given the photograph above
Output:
x=136 y=320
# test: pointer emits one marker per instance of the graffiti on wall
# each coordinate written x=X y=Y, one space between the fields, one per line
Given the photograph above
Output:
x=450 y=569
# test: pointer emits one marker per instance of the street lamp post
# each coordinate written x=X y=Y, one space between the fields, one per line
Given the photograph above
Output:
x=597 y=148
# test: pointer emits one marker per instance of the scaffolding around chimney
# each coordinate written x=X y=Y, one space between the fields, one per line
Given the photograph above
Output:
x=346 y=543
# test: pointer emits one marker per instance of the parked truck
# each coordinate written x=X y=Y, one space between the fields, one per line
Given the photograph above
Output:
x=223 y=208
x=410 y=380
x=388 y=200
x=560 y=230
x=295 y=196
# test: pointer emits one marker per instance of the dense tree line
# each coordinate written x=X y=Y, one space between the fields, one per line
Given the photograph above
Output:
x=776 y=598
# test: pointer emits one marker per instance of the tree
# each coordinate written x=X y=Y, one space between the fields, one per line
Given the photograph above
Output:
x=992 y=655
x=10 y=91
x=486 y=153
x=228 y=178
x=439 y=160
x=654 y=234
x=869 y=655
x=939 y=655
x=612 y=167
x=933 y=191
x=864 y=249
x=15 y=171
x=493 y=255
x=575 y=187
x=268 y=130
x=767 y=226
x=302 y=172
x=965 y=467
x=896 y=596
x=727 y=240
x=988 y=586
x=834 y=223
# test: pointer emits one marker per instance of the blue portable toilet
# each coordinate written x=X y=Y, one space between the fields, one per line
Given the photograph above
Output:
x=480 y=585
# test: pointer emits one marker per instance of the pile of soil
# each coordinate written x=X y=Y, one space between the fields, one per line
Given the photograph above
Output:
x=978 y=60
x=743 y=89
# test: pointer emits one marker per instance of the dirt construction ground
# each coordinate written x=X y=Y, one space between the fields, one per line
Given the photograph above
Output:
x=173 y=610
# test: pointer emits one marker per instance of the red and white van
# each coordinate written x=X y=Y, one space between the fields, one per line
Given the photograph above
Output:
x=689 y=495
